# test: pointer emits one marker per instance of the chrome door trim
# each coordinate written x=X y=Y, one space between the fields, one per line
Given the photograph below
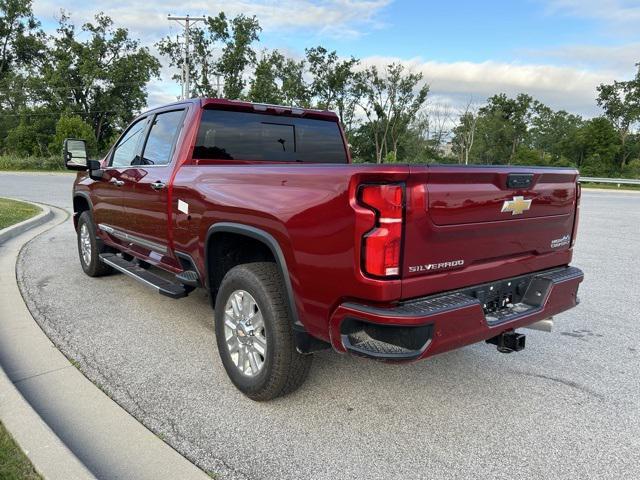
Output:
x=127 y=237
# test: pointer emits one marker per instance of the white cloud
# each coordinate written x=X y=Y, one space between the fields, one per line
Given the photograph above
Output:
x=565 y=88
x=616 y=12
x=336 y=18
x=618 y=58
x=571 y=87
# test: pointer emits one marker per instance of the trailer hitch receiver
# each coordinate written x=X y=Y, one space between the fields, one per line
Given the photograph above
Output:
x=508 y=342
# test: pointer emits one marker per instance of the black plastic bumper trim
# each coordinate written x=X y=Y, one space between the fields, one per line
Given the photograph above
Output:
x=457 y=299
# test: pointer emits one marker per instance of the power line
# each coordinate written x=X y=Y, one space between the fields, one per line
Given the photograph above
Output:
x=52 y=114
x=69 y=87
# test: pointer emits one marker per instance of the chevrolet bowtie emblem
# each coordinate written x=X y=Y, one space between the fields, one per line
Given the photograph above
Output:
x=516 y=206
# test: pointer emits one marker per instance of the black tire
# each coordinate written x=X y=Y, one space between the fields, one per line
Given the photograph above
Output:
x=93 y=267
x=284 y=369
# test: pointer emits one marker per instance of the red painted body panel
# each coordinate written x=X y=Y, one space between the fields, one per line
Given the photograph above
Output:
x=311 y=211
x=308 y=209
x=468 y=225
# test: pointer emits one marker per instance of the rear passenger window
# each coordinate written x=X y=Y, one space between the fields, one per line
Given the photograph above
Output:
x=162 y=138
x=226 y=135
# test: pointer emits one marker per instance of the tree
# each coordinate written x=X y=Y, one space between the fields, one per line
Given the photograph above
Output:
x=237 y=37
x=202 y=66
x=72 y=126
x=279 y=80
x=599 y=144
x=390 y=100
x=621 y=104
x=264 y=87
x=504 y=125
x=333 y=83
x=554 y=134
x=294 y=89
x=234 y=37
x=464 y=133
x=31 y=136
x=102 y=77
x=21 y=48
x=20 y=36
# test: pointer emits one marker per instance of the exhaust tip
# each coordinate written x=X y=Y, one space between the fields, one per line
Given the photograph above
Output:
x=545 y=325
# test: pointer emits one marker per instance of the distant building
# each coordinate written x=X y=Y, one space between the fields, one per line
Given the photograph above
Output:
x=446 y=149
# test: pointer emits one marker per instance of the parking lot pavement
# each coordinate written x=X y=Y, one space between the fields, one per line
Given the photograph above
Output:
x=566 y=407
x=52 y=188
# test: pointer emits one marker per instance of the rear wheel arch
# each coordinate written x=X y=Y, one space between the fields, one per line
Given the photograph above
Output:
x=229 y=244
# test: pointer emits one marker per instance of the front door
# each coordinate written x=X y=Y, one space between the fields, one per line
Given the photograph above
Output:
x=108 y=208
x=145 y=188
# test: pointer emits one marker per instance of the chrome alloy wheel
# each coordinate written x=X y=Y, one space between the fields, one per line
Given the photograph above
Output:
x=244 y=333
x=85 y=244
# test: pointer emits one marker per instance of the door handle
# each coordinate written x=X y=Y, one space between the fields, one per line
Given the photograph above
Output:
x=158 y=185
x=116 y=182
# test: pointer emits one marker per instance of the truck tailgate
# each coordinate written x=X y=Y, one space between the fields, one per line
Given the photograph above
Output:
x=466 y=225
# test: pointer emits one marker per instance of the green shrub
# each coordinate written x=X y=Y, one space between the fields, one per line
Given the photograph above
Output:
x=562 y=162
x=527 y=156
x=596 y=166
x=72 y=127
x=632 y=169
x=15 y=162
x=29 y=138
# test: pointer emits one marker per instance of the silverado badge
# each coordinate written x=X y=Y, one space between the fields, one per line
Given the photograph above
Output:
x=516 y=206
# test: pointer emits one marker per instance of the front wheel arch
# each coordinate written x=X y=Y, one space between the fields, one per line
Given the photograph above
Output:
x=81 y=203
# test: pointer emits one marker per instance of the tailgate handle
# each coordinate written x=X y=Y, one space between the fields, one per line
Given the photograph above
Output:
x=519 y=180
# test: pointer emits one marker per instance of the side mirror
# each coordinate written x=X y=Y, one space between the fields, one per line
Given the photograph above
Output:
x=95 y=170
x=75 y=154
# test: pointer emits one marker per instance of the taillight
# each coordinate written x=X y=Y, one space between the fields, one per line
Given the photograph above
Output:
x=381 y=245
x=576 y=218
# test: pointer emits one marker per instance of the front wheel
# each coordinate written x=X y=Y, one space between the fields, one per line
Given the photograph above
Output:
x=254 y=334
x=90 y=247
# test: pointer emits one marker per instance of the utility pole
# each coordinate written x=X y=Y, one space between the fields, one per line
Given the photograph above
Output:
x=186 y=90
x=218 y=85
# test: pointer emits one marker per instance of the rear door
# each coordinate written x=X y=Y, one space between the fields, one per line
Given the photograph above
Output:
x=146 y=188
x=466 y=225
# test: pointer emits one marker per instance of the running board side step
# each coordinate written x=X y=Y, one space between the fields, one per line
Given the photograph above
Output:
x=189 y=278
x=163 y=286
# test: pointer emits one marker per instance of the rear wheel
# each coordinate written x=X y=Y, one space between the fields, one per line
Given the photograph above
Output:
x=254 y=335
x=90 y=247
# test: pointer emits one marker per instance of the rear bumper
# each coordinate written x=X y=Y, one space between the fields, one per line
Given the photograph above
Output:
x=435 y=324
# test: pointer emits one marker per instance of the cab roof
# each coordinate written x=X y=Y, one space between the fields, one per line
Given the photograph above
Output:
x=224 y=104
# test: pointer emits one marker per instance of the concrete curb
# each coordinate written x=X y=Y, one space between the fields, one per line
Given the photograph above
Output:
x=40 y=172
x=14 y=230
x=49 y=455
x=66 y=425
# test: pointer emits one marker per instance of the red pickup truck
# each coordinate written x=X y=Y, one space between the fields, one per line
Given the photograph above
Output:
x=302 y=250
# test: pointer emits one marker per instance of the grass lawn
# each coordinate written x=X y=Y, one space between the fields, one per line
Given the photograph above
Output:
x=12 y=211
x=14 y=464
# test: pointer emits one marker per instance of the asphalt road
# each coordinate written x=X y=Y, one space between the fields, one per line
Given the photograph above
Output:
x=568 y=406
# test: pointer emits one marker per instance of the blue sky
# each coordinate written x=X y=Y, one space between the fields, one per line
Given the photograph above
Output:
x=556 y=50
